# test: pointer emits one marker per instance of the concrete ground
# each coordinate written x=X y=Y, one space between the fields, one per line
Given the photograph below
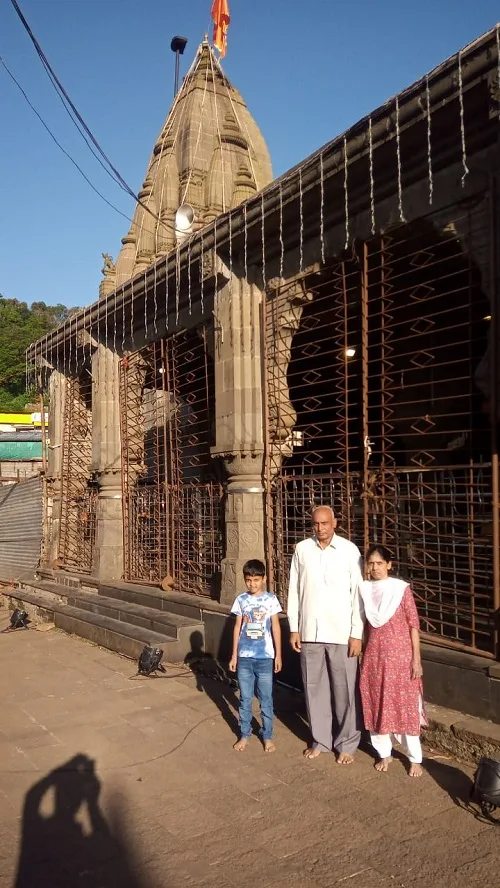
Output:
x=107 y=779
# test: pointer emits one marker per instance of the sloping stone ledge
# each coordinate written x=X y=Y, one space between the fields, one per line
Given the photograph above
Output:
x=465 y=738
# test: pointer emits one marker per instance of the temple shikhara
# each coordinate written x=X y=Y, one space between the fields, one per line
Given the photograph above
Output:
x=261 y=346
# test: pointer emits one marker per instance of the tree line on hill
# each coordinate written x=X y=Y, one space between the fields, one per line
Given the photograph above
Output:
x=20 y=325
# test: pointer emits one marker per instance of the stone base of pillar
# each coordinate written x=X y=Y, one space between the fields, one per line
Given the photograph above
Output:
x=107 y=562
x=244 y=523
x=52 y=522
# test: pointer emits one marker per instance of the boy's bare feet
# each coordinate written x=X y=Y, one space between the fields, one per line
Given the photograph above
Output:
x=415 y=771
x=312 y=752
x=383 y=764
x=241 y=745
x=269 y=746
x=345 y=759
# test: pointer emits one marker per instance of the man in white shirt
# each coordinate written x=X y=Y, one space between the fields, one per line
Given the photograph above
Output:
x=326 y=618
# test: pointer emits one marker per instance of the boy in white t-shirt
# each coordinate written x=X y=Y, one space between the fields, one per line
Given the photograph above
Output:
x=256 y=652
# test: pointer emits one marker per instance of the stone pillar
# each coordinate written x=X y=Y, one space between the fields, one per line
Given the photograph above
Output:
x=239 y=426
x=52 y=507
x=106 y=465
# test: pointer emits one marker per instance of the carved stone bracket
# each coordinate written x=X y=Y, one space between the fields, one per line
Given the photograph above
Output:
x=291 y=299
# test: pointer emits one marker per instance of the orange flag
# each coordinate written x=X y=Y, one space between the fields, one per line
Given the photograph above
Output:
x=221 y=20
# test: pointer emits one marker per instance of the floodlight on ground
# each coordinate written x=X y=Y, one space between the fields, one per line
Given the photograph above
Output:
x=150 y=660
x=19 y=619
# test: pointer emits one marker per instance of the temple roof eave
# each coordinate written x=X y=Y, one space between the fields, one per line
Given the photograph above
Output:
x=476 y=59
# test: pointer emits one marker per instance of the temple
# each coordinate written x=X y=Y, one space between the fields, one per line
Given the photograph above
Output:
x=262 y=346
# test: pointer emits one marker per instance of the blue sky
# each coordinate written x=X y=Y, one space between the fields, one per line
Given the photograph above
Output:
x=307 y=71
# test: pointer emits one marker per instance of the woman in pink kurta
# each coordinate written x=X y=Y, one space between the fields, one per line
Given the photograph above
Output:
x=391 y=671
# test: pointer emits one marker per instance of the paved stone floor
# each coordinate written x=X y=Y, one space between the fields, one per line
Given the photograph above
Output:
x=111 y=780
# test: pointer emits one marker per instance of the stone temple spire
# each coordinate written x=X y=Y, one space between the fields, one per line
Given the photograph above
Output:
x=210 y=155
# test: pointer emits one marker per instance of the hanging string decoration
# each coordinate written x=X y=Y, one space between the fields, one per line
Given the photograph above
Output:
x=398 y=152
x=346 y=196
x=231 y=324
x=167 y=272
x=123 y=319
x=115 y=321
x=263 y=238
x=372 y=181
x=146 y=303
x=321 y=209
x=202 y=274
x=462 y=120
x=282 y=242
x=245 y=242
x=429 y=140
x=301 y=223
x=177 y=283
x=132 y=317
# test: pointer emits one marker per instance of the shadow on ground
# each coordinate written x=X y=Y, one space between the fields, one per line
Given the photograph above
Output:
x=221 y=688
x=452 y=779
x=66 y=841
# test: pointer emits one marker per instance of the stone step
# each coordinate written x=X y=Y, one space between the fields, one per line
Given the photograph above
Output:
x=153 y=597
x=105 y=623
x=155 y=620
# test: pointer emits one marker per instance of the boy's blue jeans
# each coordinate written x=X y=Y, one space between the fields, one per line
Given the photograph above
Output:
x=255 y=678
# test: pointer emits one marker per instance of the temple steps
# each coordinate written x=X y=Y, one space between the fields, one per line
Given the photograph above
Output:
x=121 y=618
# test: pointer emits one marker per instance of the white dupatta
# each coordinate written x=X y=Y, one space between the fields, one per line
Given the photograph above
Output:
x=381 y=599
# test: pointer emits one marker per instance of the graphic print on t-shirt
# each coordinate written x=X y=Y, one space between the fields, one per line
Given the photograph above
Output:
x=256 y=611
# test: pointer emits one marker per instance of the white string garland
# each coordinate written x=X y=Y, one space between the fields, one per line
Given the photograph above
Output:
x=346 y=196
x=301 y=224
x=115 y=322
x=398 y=152
x=462 y=121
x=245 y=242
x=282 y=243
x=429 y=140
x=231 y=317
x=64 y=349
x=202 y=275
x=166 y=297
x=263 y=237
x=215 y=261
x=132 y=318
x=123 y=319
x=321 y=211
x=146 y=304
x=372 y=182
x=189 y=275
x=177 y=283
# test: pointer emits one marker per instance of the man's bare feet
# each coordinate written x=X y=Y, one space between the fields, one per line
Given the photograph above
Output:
x=383 y=764
x=415 y=771
x=345 y=759
x=241 y=745
x=269 y=746
x=312 y=752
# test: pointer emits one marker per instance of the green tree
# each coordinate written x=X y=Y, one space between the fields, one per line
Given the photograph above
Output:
x=21 y=325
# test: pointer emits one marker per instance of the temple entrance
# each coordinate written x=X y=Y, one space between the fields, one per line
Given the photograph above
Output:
x=172 y=497
x=373 y=408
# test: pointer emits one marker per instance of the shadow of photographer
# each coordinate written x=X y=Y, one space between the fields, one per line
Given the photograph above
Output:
x=66 y=840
